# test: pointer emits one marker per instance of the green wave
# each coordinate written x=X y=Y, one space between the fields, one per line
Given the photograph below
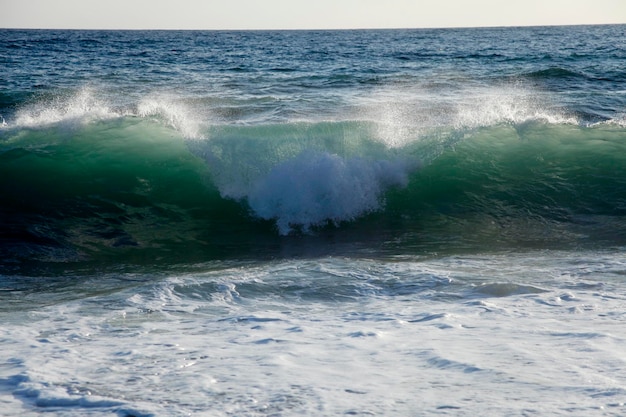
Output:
x=534 y=184
x=131 y=191
x=117 y=189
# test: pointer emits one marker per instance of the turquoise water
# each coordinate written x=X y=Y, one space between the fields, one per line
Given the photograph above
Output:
x=395 y=222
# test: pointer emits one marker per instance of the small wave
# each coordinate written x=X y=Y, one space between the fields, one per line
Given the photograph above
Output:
x=506 y=289
x=554 y=72
x=619 y=120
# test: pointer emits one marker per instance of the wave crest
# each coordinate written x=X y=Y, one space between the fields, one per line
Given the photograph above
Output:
x=88 y=105
x=173 y=113
x=408 y=113
x=80 y=107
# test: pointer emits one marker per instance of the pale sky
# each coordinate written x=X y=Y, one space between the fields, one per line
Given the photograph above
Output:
x=300 y=14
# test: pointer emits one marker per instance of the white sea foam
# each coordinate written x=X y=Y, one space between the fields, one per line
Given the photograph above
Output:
x=317 y=187
x=331 y=336
x=407 y=114
x=508 y=104
x=173 y=112
x=80 y=107
x=89 y=105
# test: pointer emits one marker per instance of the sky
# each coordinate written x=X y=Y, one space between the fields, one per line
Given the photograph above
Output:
x=303 y=14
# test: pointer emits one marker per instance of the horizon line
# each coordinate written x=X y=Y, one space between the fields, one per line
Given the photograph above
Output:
x=311 y=28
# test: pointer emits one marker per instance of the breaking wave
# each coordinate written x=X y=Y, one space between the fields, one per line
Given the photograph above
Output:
x=87 y=181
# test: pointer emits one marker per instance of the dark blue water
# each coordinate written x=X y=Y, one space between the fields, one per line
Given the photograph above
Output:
x=581 y=66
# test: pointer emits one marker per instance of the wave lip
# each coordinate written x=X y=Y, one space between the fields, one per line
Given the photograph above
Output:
x=174 y=114
x=508 y=106
x=87 y=105
x=406 y=114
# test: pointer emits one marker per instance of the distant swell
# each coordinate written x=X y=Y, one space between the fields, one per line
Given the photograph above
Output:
x=555 y=73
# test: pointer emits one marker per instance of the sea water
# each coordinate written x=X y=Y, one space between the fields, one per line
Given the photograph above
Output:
x=317 y=223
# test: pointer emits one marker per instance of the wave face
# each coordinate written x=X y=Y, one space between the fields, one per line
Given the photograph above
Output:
x=133 y=189
x=188 y=147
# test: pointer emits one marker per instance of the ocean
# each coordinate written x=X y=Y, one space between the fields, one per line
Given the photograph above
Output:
x=313 y=223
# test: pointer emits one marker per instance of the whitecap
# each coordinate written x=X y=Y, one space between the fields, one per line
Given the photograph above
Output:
x=82 y=106
x=315 y=188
